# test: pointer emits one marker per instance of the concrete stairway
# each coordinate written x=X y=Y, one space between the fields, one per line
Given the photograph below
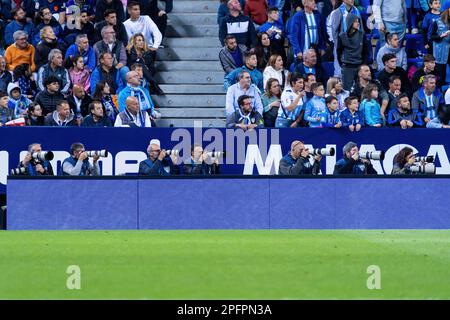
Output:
x=188 y=67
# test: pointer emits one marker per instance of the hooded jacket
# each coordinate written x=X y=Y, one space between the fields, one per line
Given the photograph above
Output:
x=400 y=53
x=52 y=120
x=18 y=105
x=351 y=48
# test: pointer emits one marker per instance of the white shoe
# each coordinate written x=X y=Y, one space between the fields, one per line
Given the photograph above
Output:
x=407 y=30
x=414 y=31
x=156 y=114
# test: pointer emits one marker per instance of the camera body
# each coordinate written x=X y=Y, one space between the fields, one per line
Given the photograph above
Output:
x=372 y=155
x=423 y=168
x=38 y=157
x=19 y=171
x=216 y=154
x=172 y=152
x=427 y=159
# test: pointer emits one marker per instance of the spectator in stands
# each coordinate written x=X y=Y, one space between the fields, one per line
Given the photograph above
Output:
x=45 y=18
x=256 y=10
x=271 y=102
x=87 y=6
x=428 y=21
x=250 y=66
x=200 y=163
x=79 y=73
x=82 y=48
x=246 y=117
x=403 y=161
x=238 y=25
x=80 y=25
x=390 y=17
x=263 y=49
x=151 y=9
x=104 y=5
x=54 y=68
x=297 y=161
x=440 y=35
x=48 y=98
x=96 y=117
x=332 y=119
x=6 y=114
x=19 y=23
x=351 y=163
x=33 y=166
x=157 y=161
x=428 y=98
x=310 y=65
x=429 y=68
x=370 y=107
x=293 y=101
x=231 y=56
x=307 y=31
x=315 y=112
x=48 y=42
x=363 y=79
x=412 y=7
x=20 y=52
x=243 y=87
x=391 y=69
x=442 y=120
x=403 y=116
x=79 y=102
x=62 y=116
x=393 y=46
x=273 y=27
x=351 y=50
x=103 y=94
x=78 y=163
x=335 y=89
x=351 y=117
x=105 y=71
x=309 y=80
x=395 y=83
x=142 y=24
x=111 y=19
x=17 y=101
x=24 y=77
x=275 y=69
x=34 y=116
x=5 y=76
x=132 y=116
x=56 y=7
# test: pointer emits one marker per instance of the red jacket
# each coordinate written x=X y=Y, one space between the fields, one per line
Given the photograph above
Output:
x=256 y=10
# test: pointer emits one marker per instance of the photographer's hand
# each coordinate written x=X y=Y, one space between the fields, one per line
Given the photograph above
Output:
x=96 y=157
x=26 y=160
x=83 y=156
x=318 y=157
x=40 y=168
x=162 y=155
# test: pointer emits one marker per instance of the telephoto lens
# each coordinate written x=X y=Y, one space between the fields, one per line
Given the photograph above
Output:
x=17 y=171
x=216 y=154
x=372 y=155
x=427 y=159
x=172 y=152
x=42 y=156
x=426 y=168
x=323 y=152
x=100 y=153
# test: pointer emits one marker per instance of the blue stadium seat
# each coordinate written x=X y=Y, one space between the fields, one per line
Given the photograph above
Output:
x=328 y=68
x=414 y=42
x=447 y=78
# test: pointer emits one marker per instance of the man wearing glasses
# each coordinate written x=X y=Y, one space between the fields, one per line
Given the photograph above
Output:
x=245 y=118
x=20 y=52
x=158 y=163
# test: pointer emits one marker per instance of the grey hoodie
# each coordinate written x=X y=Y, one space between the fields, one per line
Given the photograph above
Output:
x=351 y=49
x=389 y=11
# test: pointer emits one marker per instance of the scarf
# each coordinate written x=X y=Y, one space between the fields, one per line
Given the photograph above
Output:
x=344 y=12
x=141 y=117
x=140 y=95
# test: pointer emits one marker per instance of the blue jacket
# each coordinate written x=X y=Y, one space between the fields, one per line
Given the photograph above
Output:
x=315 y=108
x=372 y=113
x=255 y=74
x=290 y=166
x=395 y=117
x=127 y=92
x=36 y=32
x=96 y=76
x=14 y=26
x=156 y=168
x=441 y=46
x=89 y=58
x=277 y=25
x=350 y=166
x=347 y=118
x=332 y=118
x=419 y=103
x=298 y=31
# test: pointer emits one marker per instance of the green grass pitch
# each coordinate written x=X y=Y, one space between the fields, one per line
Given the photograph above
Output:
x=281 y=264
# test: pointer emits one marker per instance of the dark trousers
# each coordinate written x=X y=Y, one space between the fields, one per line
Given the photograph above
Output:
x=348 y=76
x=161 y=23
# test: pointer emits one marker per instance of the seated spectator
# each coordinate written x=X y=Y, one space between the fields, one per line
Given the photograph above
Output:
x=102 y=6
x=5 y=76
x=79 y=102
x=79 y=73
x=249 y=66
x=393 y=46
x=24 y=77
x=112 y=18
x=105 y=71
x=256 y=10
x=109 y=102
x=54 y=68
x=56 y=7
x=427 y=24
x=78 y=163
x=45 y=18
x=309 y=80
x=35 y=167
x=17 y=101
x=427 y=99
x=142 y=24
x=82 y=48
x=293 y=100
x=238 y=25
x=48 y=42
x=151 y=9
x=34 y=116
x=82 y=25
x=297 y=161
x=96 y=117
x=395 y=83
x=200 y=163
x=391 y=69
x=273 y=27
x=132 y=116
x=19 y=23
x=351 y=163
x=370 y=107
x=403 y=161
x=333 y=114
x=271 y=100
x=275 y=69
x=243 y=87
x=62 y=116
x=48 y=98
x=6 y=114
x=335 y=89
x=315 y=112
x=157 y=161
x=442 y=120
x=263 y=49
x=245 y=118
x=363 y=79
x=429 y=67
x=309 y=65
x=404 y=116
x=351 y=117
x=20 y=52
x=231 y=56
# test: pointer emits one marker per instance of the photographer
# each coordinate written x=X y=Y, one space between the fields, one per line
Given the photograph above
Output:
x=158 y=163
x=352 y=163
x=35 y=167
x=78 y=164
x=201 y=163
x=297 y=161
x=403 y=161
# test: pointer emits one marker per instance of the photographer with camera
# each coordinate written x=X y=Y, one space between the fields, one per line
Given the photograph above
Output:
x=202 y=162
x=160 y=162
x=297 y=161
x=35 y=163
x=406 y=162
x=352 y=163
x=78 y=163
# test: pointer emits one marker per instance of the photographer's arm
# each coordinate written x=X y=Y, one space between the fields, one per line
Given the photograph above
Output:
x=73 y=170
x=287 y=169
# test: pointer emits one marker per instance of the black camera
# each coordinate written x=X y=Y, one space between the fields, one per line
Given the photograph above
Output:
x=100 y=153
x=427 y=159
x=42 y=156
x=19 y=171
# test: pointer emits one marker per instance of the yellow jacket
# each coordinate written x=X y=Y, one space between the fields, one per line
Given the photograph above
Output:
x=15 y=56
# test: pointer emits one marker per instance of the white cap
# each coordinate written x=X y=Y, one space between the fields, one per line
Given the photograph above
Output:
x=155 y=141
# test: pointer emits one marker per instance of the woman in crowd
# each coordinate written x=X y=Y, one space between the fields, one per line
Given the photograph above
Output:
x=271 y=102
x=34 y=116
x=109 y=102
x=79 y=73
x=275 y=69
x=335 y=89
x=403 y=161
x=24 y=77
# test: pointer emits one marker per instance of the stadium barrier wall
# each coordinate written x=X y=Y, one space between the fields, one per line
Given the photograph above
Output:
x=234 y=202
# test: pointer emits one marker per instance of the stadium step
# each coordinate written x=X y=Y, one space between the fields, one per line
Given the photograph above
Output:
x=188 y=65
x=192 y=42
x=197 y=113
x=192 y=89
x=191 y=6
x=188 y=77
x=192 y=30
x=198 y=101
x=193 y=19
x=181 y=53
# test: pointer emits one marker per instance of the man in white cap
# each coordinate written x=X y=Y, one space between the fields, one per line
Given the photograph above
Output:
x=159 y=162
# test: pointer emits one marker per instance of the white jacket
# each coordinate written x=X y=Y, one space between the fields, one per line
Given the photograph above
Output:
x=270 y=72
